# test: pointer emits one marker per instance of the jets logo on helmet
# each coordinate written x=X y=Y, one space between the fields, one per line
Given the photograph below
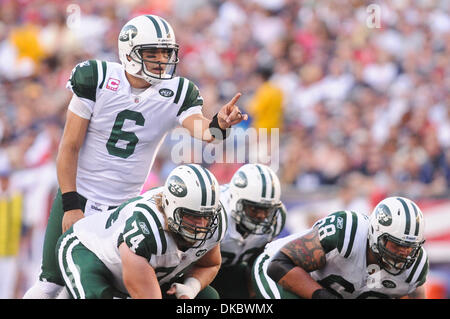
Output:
x=200 y=199
x=399 y=221
x=148 y=32
x=255 y=187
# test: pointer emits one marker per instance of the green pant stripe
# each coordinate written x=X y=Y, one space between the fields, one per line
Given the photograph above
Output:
x=265 y=285
x=68 y=268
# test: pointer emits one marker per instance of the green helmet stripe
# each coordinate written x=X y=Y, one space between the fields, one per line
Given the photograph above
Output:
x=263 y=178
x=166 y=27
x=213 y=189
x=202 y=183
x=272 y=194
x=408 y=216
x=416 y=232
x=155 y=23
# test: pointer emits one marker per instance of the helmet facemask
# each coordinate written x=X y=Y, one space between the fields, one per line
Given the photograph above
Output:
x=166 y=69
x=253 y=225
x=392 y=262
x=190 y=232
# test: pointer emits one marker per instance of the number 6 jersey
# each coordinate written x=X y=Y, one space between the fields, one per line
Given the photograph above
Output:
x=125 y=129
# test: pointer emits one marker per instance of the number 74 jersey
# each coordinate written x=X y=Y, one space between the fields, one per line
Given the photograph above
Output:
x=125 y=129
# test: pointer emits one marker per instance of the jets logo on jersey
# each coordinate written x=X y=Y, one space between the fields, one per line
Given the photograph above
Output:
x=389 y=283
x=384 y=215
x=201 y=252
x=177 y=186
x=113 y=84
x=166 y=92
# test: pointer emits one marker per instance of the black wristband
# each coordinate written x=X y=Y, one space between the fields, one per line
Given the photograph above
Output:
x=70 y=201
x=323 y=294
x=216 y=131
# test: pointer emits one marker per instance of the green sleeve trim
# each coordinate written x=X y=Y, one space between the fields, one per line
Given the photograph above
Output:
x=352 y=234
x=191 y=99
x=161 y=232
x=104 y=68
x=179 y=89
x=84 y=80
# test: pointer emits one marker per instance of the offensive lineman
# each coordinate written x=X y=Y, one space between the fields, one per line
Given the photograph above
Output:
x=117 y=119
x=349 y=255
x=150 y=244
x=255 y=217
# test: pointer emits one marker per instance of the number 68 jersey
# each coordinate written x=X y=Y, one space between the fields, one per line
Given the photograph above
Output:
x=125 y=129
x=343 y=236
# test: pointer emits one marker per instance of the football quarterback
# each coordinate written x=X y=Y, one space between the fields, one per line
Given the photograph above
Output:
x=349 y=255
x=256 y=216
x=116 y=121
x=162 y=244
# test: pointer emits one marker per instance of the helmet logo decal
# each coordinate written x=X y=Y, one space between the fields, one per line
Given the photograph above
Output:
x=177 y=187
x=128 y=33
x=240 y=180
x=384 y=215
x=166 y=92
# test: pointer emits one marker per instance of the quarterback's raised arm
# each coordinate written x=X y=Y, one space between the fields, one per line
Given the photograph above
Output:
x=290 y=267
x=200 y=275
x=207 y=130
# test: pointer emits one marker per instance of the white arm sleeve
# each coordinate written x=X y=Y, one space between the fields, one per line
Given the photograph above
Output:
x=190 y=111
x=81 y=107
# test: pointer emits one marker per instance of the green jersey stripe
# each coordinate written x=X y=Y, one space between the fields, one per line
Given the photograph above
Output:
x=423 y=274
x=341 y=237
x=155 y=23
x=201 y=181
x=352 y=234
x=263 y=179
x=161 y=232
x=408 y=217
x=413 y=271
x=179 y=89
x=104 y=74
x=185 y=105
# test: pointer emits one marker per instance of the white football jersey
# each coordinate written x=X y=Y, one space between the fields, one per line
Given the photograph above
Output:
x=234 y=247
x=125 y=130
x=142 y=227
x=343 y=236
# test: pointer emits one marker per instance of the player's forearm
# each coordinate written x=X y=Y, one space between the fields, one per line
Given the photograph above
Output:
x=299 y=282
x=66 y=168
x=204 y=274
